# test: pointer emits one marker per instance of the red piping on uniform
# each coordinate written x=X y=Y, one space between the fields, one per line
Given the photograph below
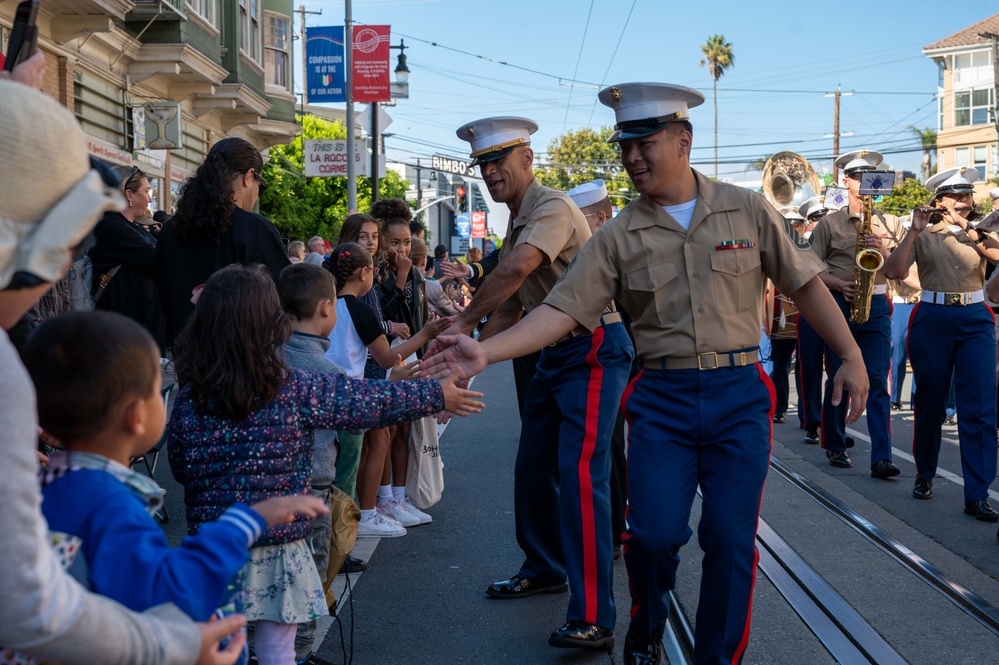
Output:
x=908 y=338
x=625 y=537
x=586 y=479
x=741 y=649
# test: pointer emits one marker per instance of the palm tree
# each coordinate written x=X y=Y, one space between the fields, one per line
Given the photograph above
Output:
x=928 y=142
x=718 y=57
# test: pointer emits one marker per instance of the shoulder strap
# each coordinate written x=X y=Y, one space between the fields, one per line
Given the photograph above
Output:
x=105 y=280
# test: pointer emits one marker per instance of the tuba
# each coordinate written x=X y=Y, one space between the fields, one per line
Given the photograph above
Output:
x=868 y=263
x=789 y=180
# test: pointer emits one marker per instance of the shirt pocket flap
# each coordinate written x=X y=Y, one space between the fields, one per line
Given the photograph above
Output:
x=652 y=277
x=735 y=261
x=844 y=244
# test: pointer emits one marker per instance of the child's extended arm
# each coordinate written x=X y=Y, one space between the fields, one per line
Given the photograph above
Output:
x=385 y=355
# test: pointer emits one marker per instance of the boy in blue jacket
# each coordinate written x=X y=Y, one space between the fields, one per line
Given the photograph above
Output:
x=97 y=375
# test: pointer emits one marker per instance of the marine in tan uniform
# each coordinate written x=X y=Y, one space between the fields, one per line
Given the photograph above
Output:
x=562 y=474
x=952 y=333
x=835 y=242
x=689 y=260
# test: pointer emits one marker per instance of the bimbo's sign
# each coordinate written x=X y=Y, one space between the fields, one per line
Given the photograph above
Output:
x=454 y=166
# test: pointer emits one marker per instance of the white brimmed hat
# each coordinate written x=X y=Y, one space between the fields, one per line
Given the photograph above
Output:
x=495 y=138
x=994 y=193
x=47 y=206
x=859 y=160
x=588 y=193
x=642 y=109
x=812 y=206
x=958 y=180
x=792 y=213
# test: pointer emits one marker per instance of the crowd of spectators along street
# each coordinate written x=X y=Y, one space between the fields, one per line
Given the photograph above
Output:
x=297 y=385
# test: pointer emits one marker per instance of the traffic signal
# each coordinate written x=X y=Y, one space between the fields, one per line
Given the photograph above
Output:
x=462 y=200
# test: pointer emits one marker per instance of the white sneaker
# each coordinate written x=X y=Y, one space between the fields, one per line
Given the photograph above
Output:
x=395 y=510
x=407 y=506
x=379 y=527
x=383 y=510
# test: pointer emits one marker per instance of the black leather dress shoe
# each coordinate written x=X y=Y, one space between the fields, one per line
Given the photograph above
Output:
x=519 y=586
x=839 y=458
x=644 y=648
x=981 y=510
x=896 y=406
x=779 y=418
x=812 y=437
x=353 y=565
x=922 y=489
x=582 y=635
x=884 y=470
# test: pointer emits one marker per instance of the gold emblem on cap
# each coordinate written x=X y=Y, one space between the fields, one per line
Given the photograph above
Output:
x=616 y=94
x=963 y=169
x=863 y=154
x=471 y=130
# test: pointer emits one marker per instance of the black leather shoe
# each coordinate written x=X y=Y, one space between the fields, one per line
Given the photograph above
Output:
x=582 y=635
x=812 y=437
x=353 y=565
x=839 y=458
x=922 y=489
x=981 y=510
x=779 y=418
x=884 y=470
x=644 y=648
x=896 y=406
x=519 y=586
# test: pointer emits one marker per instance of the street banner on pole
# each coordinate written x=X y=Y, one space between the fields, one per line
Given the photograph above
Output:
x=463 y=223
x=478 y=225
x=372 y=82
x=328 y=158
x=324 y=61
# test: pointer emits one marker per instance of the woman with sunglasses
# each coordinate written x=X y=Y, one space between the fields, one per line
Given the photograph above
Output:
x=215 y=226
x=124 y=257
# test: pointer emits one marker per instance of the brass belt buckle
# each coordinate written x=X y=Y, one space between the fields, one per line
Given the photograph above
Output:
x=742 y=360
x=953 y=298
x=702 y=356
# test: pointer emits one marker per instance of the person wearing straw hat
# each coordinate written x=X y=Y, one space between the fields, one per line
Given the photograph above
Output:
x=561 y=478
x=688 y=259
x=952 y=333
x=835 y=242
x=47 y=211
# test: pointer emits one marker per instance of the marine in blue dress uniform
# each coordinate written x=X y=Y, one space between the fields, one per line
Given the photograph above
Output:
x=562 y=473
x=688 y=260
x=810 y=350
x=835 y=242
x=952 y=332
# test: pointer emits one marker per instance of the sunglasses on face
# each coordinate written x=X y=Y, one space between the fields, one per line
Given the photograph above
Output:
x=260 y=181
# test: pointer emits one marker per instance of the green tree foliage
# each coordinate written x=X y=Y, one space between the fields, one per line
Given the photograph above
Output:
x=906 y=196
x=718 y=57
x=583 y=155
x=304 y=207
x=928 y=142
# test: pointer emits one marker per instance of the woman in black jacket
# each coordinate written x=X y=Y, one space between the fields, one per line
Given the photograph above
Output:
x=124 y=257
x=214 y=227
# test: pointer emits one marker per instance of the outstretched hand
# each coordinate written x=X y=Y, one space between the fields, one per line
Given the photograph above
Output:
x=404 y=372
x=851 y=378
x=460 y=350
x=282 y=509
x=453 y=270
x=457 y=400
x=213 y=632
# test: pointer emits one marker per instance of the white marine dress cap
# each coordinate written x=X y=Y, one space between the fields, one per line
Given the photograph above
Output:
x=642 y=109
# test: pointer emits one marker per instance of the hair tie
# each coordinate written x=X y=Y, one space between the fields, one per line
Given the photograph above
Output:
x=344 y=253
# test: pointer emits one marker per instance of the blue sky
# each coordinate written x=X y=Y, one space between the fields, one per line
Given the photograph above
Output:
x=787 y=56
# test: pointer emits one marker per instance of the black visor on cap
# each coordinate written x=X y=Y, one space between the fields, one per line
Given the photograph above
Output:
x=817 y=213
x=962 y=188
x=637 y=129
x=494 y=156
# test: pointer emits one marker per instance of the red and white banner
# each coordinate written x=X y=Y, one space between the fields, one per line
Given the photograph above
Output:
x=371 y=77
x=478 y=225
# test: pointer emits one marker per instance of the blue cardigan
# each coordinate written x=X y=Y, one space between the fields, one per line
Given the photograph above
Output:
x=127 y=556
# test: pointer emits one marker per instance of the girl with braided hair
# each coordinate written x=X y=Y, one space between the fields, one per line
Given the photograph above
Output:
x=215 y=226
x=358 y=331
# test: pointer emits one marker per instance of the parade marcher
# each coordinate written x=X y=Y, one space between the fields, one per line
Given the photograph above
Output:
x=904 y=297
x=561 y=476
x=952 y=332
x=808 y=358
x=835 y=242
x=689 y=259
x=783 y=332
x=593 y=202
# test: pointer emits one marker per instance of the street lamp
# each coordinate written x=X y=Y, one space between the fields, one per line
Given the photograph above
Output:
x=398 y=89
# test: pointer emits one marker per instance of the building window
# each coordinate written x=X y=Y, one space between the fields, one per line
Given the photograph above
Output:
x=277 y=54
x=981 y=155
x=962 y=157
x=205 y=9
x=971 y=107
x=249 y=28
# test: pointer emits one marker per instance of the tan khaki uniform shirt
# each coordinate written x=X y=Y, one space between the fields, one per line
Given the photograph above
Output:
x=686 y=295
x=551 y=222
x=948 y=262
x=835 y=240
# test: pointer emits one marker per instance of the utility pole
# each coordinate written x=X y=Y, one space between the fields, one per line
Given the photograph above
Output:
x=994 y=38
x=348 y=51
x=419 y=185
x=375 y=108
x=305 y=70
x=835 y=135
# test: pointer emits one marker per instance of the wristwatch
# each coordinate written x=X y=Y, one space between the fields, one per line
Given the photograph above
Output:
x=982 y=235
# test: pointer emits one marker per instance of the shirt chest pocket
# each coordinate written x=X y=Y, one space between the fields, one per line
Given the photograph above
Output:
x=846 y=245
x=654 y=287
x=736 y=283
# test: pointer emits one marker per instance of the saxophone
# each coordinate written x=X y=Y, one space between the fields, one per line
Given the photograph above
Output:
x=868 y=262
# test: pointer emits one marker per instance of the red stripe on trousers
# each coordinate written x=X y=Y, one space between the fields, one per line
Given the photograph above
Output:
x=586 y=480
x=908 y=337
x=625 y=537
x=741 y=649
